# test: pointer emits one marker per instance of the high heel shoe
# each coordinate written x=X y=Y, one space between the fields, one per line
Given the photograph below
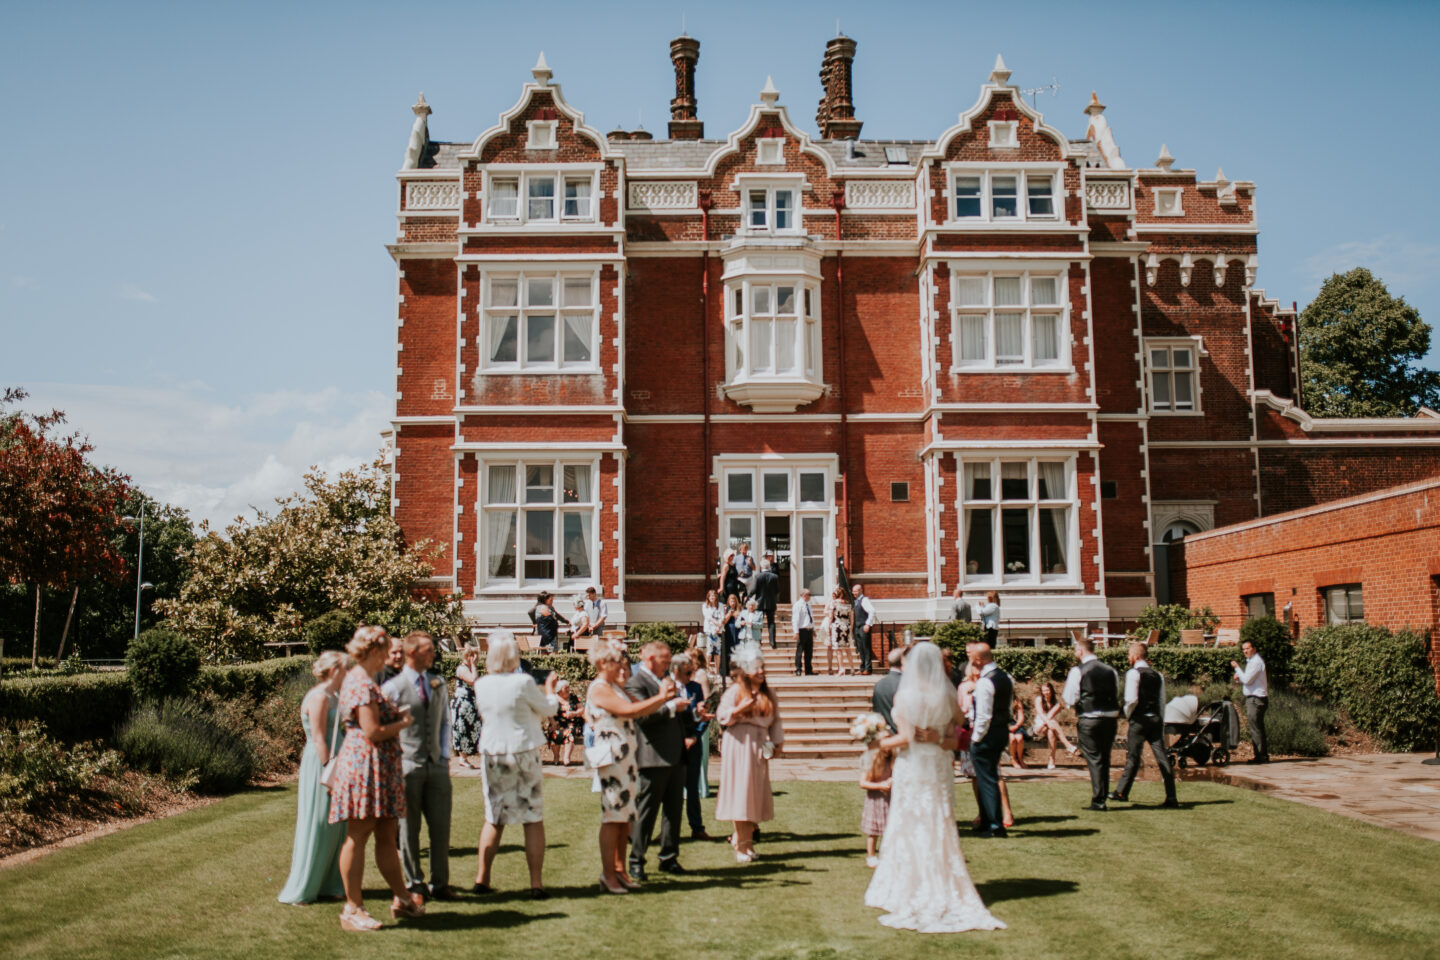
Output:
x=358 y=921
x=628 y=883
x=412 y=910
x=744 y=857
x=609 y=889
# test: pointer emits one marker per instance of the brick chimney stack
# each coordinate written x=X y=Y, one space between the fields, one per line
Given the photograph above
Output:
x=684 y=124
x=836 y=116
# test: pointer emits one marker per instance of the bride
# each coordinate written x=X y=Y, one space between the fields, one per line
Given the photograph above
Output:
x=922 y=880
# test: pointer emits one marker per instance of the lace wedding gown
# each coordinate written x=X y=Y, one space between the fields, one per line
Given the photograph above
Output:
x=922 y=880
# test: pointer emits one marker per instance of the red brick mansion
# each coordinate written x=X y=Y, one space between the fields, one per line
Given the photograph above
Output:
x=993 y=358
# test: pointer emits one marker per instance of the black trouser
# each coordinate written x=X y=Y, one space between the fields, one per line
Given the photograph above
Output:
x=985 y=758
x=991 y=635
x=1097 y=737
x=862 y=646
x=662 y=792
x=1147 y=729
x=805 y=650
x=1255 y=708
x=770 y=622
x=694 y=757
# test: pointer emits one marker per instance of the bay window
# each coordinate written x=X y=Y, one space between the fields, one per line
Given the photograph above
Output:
x=538 y=522
x=549 y=197
x=1018 y=519
x=1004 y=195
x=1005 y=320
x=773 y=330
x=538 y=320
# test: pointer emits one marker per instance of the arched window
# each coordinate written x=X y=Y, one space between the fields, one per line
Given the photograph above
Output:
x=1179 y=530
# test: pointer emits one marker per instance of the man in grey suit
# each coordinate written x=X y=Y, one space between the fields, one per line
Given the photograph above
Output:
x=425 y=752
x=882 y=699
x=661 y=759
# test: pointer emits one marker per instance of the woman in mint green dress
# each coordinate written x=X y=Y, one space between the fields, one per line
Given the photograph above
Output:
x=315 y=863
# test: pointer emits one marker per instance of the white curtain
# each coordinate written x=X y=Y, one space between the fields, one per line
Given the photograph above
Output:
x=760 y=345
x=1007 y=292
x=1047 y=340
x=970 y=292
x=577 y=198
x=1042 y=291
x=577 y=337
x=502 y=339
x=1010 y=336
x=579 y=292
x=784 y=346
x=504 y=196
x=502 y=483
x=972 y=338
x=577 y=483
x=1060 y=528
x=576 y=532
x=977 y=482
x=500 y=542
x=1052 y=481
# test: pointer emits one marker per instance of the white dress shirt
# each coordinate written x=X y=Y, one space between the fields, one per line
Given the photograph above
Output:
x=1071 y=693
x=511 y=707
x=1132 y=688
x=599 y=612
x=984 y=701
x=1253 y=682
x=801 y=616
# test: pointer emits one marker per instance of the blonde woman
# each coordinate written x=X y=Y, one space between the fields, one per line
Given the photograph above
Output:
x=753 y=734
x=315 y=861
x=464 y=717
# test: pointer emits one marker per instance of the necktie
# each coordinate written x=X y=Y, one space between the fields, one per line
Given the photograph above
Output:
x=424 y=690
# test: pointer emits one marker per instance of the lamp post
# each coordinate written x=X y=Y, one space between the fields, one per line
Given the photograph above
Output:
x=139 y=566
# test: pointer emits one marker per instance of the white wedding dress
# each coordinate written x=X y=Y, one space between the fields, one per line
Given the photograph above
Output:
x=922 y=879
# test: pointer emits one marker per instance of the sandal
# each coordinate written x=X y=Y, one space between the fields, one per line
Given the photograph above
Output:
x=413 y=910
x=358 y=920
x=609 y=889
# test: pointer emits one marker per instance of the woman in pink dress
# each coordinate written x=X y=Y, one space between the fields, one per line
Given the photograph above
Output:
x=753 y=734
x=368 y=790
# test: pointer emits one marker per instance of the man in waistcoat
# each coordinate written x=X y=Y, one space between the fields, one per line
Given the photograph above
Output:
x=864 y=622
x=425 y=760
x=1145 y=709
x=993 y=695
x=1093 y=691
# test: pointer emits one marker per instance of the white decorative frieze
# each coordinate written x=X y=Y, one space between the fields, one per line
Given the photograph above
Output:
x=1107 y=194
x=432 y=195
x=664 y=195
x=880 y=194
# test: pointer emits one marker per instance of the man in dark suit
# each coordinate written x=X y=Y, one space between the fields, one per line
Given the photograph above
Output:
x=767 y=592
x=683 y=670
x=661 y=759
x=882 y=699
x=993 y=695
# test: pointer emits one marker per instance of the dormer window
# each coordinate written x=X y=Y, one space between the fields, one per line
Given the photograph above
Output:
x=1004 y=195
x=771 y=150
x=549 y=197
x=541 y=135
x=770 y=209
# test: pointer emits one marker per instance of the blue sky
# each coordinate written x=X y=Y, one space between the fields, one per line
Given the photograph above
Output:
x=196 y=196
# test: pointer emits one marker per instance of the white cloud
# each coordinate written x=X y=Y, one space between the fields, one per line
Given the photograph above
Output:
x=185 y=446
x=1403 y=264
x=131 y=291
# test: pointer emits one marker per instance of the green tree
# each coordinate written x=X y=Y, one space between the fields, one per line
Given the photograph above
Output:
x=1360 y=350
x=333 y=546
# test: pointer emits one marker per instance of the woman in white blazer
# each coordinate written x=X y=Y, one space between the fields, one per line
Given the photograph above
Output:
x=511 y=709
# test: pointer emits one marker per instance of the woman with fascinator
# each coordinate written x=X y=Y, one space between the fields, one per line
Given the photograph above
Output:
x=922 y=880
x=753 y=734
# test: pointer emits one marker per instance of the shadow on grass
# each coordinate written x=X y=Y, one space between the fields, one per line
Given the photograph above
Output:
x=1024 y=888
x=1054 y=834
x=779 y=836
x=1184 y=805
x=486 y=919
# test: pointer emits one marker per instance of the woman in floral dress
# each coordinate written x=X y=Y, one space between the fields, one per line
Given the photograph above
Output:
x=367 y=793
x=464 y=717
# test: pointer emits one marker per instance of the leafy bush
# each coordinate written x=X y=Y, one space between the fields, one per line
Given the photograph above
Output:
x=330 y=631
x=639 y=634
x=1273 y=642
x=83 y=707
x=1039 y=664
x=161 y=663
x=253 y=681
x=37 y=772
x=273 y=729
x=179 y=739
x=1297 y=725
x=22 y=664
x=1170 y=619
x=922 y=628
x=953 y=635
x=1382 y=680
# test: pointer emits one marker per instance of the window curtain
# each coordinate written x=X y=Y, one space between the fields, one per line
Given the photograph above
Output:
x=1047 y=341
x=500 y=543
x=1014 y=480
x=1052 y=481
x=502 y=483
x=972 y=338
x=977 y=481
x=1009 y=336
x=576 y=532
x=784 y=346
x=577 y=337
x=577 y=483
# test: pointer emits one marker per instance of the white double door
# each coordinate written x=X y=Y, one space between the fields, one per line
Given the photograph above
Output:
x=799 y=540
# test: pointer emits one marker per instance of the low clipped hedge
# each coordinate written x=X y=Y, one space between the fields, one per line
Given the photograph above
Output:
x=1382 y=679
x=1178 y=664
x=254 y=680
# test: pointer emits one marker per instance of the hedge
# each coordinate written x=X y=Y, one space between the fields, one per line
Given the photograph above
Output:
x=1178 y=664
x=1383 y=680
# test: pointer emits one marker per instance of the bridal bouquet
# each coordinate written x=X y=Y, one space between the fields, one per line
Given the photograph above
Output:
x=868 y=727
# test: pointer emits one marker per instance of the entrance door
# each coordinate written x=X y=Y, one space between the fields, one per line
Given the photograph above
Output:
x=777 y=542
x=812 y=556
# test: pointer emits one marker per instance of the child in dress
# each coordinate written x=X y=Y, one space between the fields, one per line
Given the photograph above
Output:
x=875 y=781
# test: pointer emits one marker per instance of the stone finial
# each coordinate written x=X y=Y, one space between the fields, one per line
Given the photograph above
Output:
x=769 y=96
x=1094 y=108
x=1220 y=176
x=419 y=136
x=421 y=108
x=1164 y=161
x=541 y=71
x=999 y=74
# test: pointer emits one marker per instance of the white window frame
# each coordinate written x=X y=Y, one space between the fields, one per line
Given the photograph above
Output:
x=1197 y=350
x=522 y=310
x=748 y=185
x=758 y=508
x=560 y=177
x=990 y=363
x=1023 y=174
x=1353 y=592
x=966 y=507
x=557 y=462
x=739 y=329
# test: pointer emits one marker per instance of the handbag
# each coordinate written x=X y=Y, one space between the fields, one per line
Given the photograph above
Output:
x=601 y=753
x=962 y=736
x=331 y=769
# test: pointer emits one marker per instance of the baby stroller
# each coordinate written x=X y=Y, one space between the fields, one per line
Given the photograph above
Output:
x=1203 y=736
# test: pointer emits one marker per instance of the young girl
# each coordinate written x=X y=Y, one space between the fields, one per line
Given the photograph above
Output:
x=875 y=781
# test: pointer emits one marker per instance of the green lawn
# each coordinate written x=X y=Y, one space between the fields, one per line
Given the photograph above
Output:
x=1235 y=873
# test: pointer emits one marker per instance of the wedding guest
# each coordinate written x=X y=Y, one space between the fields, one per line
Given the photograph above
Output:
x=966 y=697
x=729 y=577
x=660 y=755
x=752 y=620
x=753 y=734
x=745 y=569
x=580 y=624
x=598 y=609
x=994 y=692
x=368 y=790
x=838 y=616
x=1047 y=709
x=1145 y=709
x=547 y=624
x=695 y=726
x=544 y=599
x=1017 y=734
x=865 y=620
x=882 y=698
x=425 y=759
x=990 y=618
x=394 y=662
x=1092 y=690
x=464 y=718
x=802 y=622
x=711 y=612
x=702 y=677
x=961 y=612
x=1255 y=685
x=511 y=708
x=315 y=860
x=566 y=726
x=767 y=591
x=611 y=715
x=875 y=781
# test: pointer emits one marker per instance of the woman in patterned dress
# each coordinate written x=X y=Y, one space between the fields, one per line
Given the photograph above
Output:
x=567 y=726
x=611 y=715
x=368 y=790
x=464 y=718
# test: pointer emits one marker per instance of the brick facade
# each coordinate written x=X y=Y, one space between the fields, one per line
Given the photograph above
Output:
x=635 y=419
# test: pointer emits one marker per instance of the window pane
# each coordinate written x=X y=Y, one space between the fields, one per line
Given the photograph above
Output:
x=576 y=541
x=1040 y=190
x=785 y=345
x=784 y=209
x=576 y=483
x=577 y=198
x=979 y=543
x=740 y=488
x=812 y=488
x=970 y=292
x=1015 y=540
x=1003 y=197
x=1054 y=535
x=760 y=344
x=504 y=198
x=1160 y=359
x=1007 y=292
x=812 y=552
x=1045 y=330
x=776 y=487
x=738 y=339
x=540 y=484
x=1160 y=383
x=539 y=545
x=784 y=299
x=504 y=340
x=540 y=338
x=502 y=483
x=759 y=300
x=757 y=208
x=1184 y=394
x=739 y=301
x=1180 y=357
x=540 y=292
x=972 y=338
x=1051 y=476
x=813 y=349
x=1043 y=291
x=1356 y=604
x=967 y=196
x=739 y=532
x=977 y=481
x=579 y=292
x=810 y=310
x=541 y=192
x=503 y=293
x=1009 y=338
x=1015 y=480
x=500 y=544
x=577 y=337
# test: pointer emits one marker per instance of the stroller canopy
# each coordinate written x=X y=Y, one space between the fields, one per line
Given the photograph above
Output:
x=1183 y=710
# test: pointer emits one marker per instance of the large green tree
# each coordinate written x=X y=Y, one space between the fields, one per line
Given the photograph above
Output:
x=333 y=546
x=1360 y=351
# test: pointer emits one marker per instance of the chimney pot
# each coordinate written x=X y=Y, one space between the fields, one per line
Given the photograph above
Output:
x=836 y=114
x=685 y=123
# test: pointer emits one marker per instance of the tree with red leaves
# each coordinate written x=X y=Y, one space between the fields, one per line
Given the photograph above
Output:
x=58 y=511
